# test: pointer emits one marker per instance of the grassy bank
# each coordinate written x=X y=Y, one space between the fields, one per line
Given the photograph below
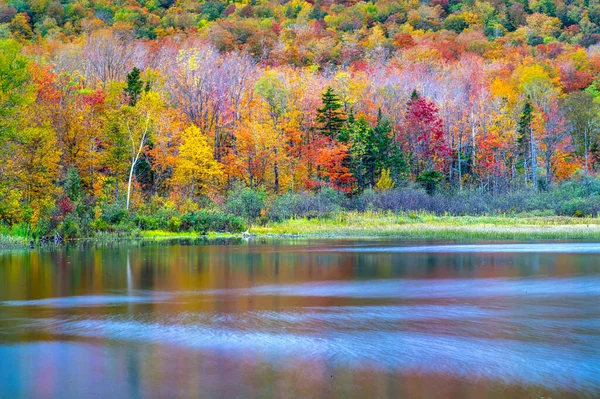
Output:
x=12 y=242
x=382 y=224
x=426 y=226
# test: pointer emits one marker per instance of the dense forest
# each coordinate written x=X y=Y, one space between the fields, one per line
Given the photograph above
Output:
x=186 y=114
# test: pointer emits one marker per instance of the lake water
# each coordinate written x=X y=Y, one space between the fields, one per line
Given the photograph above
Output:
x=301 y=319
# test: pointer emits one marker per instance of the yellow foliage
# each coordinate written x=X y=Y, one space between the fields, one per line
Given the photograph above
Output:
x=385 y=182
x=503 y=89
x=471 y=18
x=537 y=82
x=543 y=25
x=196 y=169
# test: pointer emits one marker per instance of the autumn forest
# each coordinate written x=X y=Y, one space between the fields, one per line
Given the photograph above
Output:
x=206 y=116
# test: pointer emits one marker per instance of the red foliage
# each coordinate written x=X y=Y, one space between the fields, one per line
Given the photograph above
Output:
x=65 y=206
x=404 y=40
x=423 y=135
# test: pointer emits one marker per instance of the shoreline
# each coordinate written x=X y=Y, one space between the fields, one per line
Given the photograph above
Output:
x=351 y=225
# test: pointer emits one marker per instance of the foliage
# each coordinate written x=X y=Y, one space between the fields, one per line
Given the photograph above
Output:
x=118 y=118
x=246 y=203
x=385 y=182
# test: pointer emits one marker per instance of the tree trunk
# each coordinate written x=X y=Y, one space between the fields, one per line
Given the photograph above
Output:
x=587 y=163
x=460 y=185
x=533 y=157
x=129 y=183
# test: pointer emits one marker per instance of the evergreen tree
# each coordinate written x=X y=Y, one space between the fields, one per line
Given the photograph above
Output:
x=372 y=150
x=526 y=142
x=135 y=86
x=390 y=155
x=72 y=187
x=331 y=116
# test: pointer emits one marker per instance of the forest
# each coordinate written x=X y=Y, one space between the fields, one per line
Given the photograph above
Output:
x=206 y=116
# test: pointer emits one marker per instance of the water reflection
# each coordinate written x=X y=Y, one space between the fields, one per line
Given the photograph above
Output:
x=323 y=318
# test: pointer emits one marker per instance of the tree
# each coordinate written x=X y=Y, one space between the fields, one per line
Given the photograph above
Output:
x=371 y=149
x=16 y=94
x=20 y=27
x=582 y=118
x=550 y=128
x=34 y=171
x=330 y=115
x=196 y=169
x=272 y=90
x=15 y=83
x=135 y=86
x=385 y=182
x=527 y=144
x=423 y=137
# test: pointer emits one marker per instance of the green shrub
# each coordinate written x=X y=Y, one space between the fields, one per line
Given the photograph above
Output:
x=70 y=227
x=99 y=225
x=175 y=224
x=114 y=214
x=581 y=207
x=204 y=221
x=246 y=203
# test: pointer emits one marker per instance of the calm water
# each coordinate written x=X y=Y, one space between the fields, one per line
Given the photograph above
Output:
x=301 y=319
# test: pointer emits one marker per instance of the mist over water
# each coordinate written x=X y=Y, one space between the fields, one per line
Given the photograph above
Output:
x=288 y=319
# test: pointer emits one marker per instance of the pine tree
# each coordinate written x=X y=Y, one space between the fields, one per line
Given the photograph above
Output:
x=526 y=142
x=331 y=116
x=135 y=86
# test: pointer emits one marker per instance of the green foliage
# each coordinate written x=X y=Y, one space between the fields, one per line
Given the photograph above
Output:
x=15 y=88
x=114 y=214
x=430 y=180
x=246 y=203
x=175 y=224
x=212 y=10
x=72 y=186
x=135 y=86
x=330 y=116
x=203 y=222
x=372 y=149
x=455 y=23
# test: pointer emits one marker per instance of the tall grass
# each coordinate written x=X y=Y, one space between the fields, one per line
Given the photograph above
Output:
x=424 y=225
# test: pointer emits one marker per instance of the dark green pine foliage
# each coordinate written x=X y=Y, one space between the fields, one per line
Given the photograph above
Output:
x=331 y=116
x=372 y=149
x=524 y=134
x=390 y=155
x=135 y=86
x=72 y=186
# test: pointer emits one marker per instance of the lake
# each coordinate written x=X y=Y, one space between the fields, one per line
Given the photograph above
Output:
x=301 y=318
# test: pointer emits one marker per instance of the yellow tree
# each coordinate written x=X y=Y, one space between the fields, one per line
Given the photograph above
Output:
x=34 y=166
x=196 y=169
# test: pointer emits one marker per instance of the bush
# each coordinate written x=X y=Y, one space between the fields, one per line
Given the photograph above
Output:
x=580 y=207
x=204 y=221
x=246 y=203
x=175 y=224
x=70 y=227
x=114 y=214
x=324 y=203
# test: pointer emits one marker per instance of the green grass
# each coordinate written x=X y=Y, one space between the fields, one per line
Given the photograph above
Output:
x=427 y=226
x=158 y=234
x=372 y=225
x=12 y=242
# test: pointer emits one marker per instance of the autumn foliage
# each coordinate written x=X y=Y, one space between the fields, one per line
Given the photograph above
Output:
x=168 y=105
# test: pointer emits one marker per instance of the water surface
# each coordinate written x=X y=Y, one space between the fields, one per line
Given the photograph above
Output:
x=301 y=319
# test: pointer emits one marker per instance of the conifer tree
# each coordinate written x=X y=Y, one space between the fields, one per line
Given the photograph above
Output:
x=331 y=116
x=527 y=143
x=135 y=86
